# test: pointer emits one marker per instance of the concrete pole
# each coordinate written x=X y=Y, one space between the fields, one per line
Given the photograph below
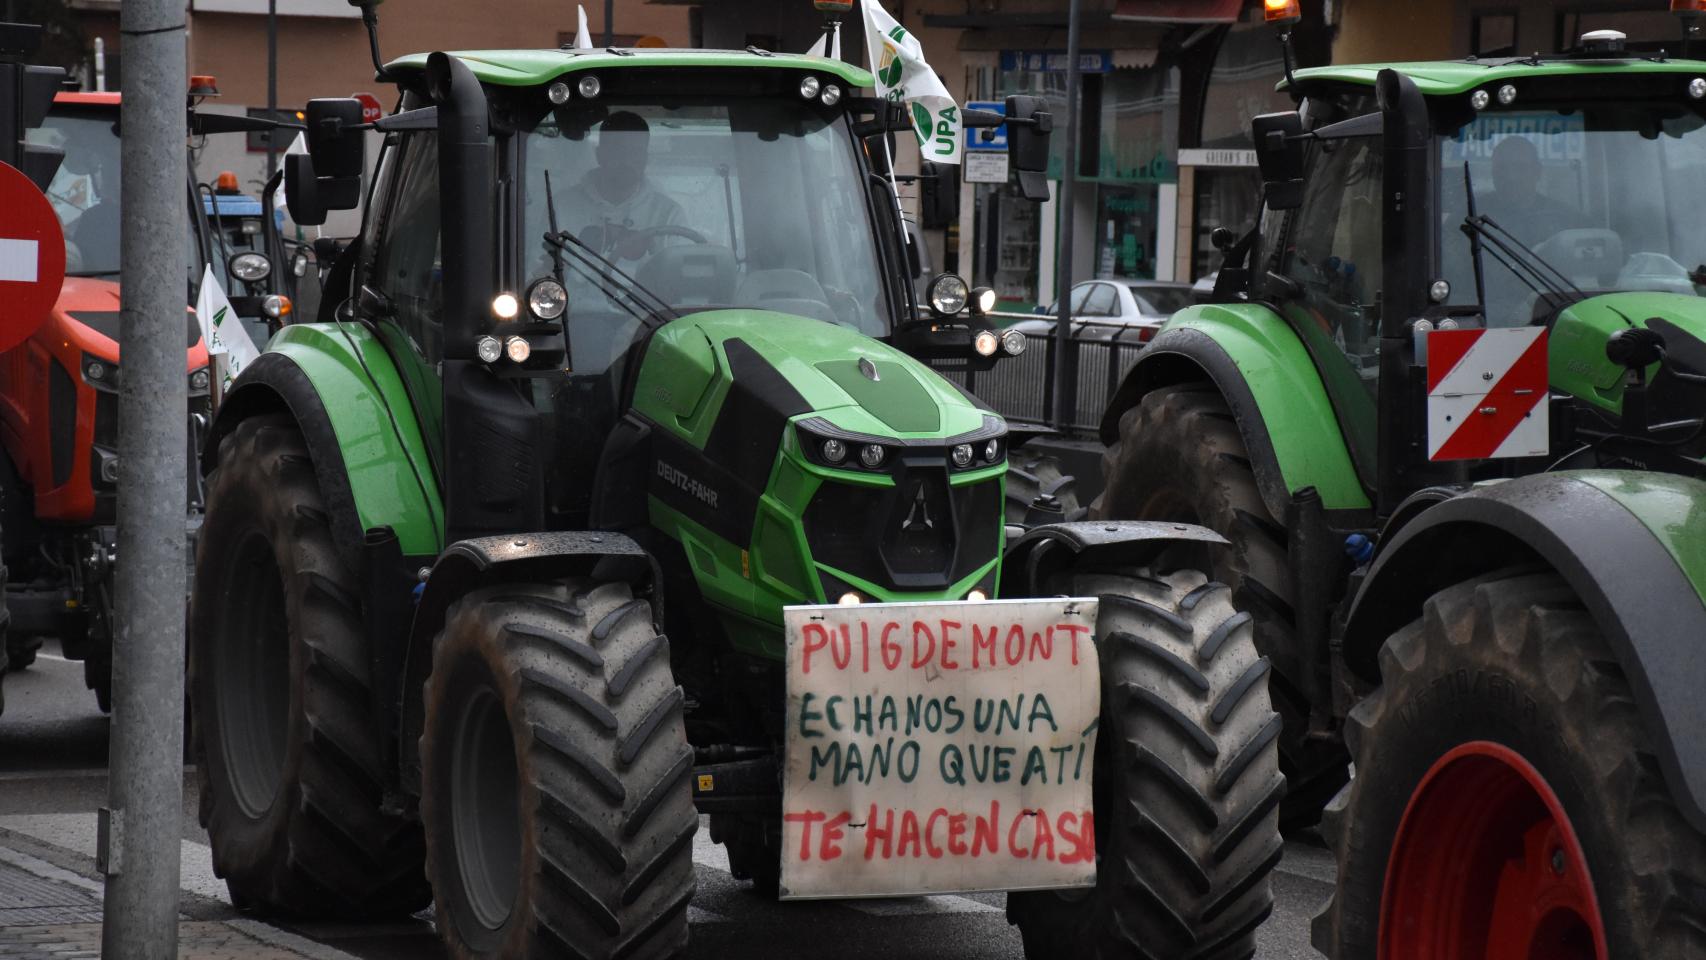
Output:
x=145 y=756
x=1066 y=358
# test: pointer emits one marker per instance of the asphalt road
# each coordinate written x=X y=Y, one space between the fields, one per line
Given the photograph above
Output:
x=53 y=744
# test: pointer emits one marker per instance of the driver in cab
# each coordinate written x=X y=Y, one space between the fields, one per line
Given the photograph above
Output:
x=617 y=206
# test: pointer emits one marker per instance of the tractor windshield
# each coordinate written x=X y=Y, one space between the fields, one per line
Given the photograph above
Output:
x=746 y=203
x=1605 y=196
x=84 y=191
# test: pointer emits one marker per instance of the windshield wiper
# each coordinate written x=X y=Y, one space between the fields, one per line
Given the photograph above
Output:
x=611 y=280
x=1520 y=259
x=551 y=221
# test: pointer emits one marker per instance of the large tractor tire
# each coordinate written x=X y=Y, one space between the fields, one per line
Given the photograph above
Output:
x=1507 y=802
x=1187 y=785
x=1179 y=456
x=290 y=769
x=554 y=768
x=1033 y=475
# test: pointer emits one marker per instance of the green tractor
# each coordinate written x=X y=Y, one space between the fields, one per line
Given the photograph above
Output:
x=625 y=347
x=1448 y=413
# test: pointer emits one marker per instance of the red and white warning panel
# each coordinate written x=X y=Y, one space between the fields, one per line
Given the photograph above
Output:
x=32 y=257
x=1487 y=394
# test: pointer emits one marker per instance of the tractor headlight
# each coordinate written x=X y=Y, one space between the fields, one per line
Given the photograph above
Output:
x=94 y=371
x=992 y=449
x=250 y=267
x=558 y=93
x=961 y=454
x=276 y=306
x=590 y=87
x=489 y=349
x=505 y=306
x=986 y=343
x=547 y=299
x=809 y=87
x=1013 y=343
x=947 y=295
x=833 y=450
x=982 y=300
x=199 y=380
x=872 y=455
x=831 y=95
x=518 y=349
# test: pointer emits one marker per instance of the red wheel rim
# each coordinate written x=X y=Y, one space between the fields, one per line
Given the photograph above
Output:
x=1485 y=865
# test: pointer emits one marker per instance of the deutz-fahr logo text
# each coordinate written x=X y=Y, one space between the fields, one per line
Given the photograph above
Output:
x=679 y=479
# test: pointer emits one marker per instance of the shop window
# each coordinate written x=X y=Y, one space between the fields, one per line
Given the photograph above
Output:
x=1241 y=86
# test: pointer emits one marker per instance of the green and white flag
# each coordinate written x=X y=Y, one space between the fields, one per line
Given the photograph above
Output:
x=897 y=60
x=228 y=344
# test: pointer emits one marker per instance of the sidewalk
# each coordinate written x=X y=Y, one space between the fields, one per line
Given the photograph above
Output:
x=50 y=913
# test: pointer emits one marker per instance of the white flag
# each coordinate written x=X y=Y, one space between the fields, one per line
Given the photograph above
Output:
x=583 y=39
x=897 y=60
x=299 y=145
x=228 y=344
x=825 y=47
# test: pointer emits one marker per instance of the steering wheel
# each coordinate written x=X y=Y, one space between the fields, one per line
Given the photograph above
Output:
x=632 y=243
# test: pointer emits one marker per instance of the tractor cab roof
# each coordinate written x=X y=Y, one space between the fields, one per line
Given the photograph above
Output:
x=1446 y=77
x=522 y=68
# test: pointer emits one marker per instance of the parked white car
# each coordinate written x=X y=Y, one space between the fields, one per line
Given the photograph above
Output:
x=1117 y=309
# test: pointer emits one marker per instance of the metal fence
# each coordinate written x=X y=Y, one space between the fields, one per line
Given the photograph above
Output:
x=1022 y=387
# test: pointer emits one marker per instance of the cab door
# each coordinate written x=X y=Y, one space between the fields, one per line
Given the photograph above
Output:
x=400 y=283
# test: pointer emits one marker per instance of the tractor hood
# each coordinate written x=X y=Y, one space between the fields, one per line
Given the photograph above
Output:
x=1576 y=354
x=794 y=366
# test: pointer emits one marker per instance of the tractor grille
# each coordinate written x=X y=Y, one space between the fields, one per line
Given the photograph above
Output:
x=920 y=534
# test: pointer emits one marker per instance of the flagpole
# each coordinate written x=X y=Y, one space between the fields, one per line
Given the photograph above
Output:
x=1065 y=370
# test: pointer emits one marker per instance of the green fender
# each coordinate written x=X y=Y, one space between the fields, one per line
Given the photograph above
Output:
x=1632 y=545
x=344 y=391
x=1262 y=368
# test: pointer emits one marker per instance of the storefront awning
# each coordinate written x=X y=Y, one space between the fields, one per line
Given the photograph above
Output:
x=1179 y=11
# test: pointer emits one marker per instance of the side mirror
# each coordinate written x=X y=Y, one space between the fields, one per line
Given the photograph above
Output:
x=339 y=152
x=302 y=190
x=1279 y=154
x=1028 y=130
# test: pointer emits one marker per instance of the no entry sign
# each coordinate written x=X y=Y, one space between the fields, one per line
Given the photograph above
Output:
x=32 y=257
x=939 y=748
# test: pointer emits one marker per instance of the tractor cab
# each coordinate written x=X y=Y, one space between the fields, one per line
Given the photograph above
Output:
x=1558 y=201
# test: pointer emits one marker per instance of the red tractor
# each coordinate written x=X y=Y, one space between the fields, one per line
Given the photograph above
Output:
x=59 y=464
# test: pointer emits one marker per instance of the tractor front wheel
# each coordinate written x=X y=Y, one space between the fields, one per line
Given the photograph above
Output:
x=1180 y=457
x=554 y=772
x=1506 y=801
x=1033 y=475
x=1187 y=786
x=291 y=772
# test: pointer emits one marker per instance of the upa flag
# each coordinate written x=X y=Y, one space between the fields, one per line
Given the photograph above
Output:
x=228 y=344
x=897 y=60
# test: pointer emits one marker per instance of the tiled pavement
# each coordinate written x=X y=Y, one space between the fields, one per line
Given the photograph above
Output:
x=49 y=913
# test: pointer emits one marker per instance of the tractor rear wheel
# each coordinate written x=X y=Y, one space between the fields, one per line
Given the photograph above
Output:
x=1033 y=475
x=1180 y=457
x=291 y=772
x=1187 y=785
x=554 y=772
x=1507 y=802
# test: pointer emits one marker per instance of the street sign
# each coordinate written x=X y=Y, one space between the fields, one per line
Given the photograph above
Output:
x=993 y=138
x=986 y=167
x=32 y=257
x=371 y=108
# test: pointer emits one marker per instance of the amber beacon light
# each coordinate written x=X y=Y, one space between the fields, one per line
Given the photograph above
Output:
x=1688 y=7
x=1284 y=11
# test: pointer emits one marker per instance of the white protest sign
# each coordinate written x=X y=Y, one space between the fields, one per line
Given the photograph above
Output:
x=939 y=748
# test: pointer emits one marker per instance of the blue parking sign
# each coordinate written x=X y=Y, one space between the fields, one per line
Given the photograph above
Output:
x=994 y=138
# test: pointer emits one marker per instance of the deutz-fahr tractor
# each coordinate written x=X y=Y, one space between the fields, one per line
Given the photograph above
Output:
x=489 y=600
x=1448 y=414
